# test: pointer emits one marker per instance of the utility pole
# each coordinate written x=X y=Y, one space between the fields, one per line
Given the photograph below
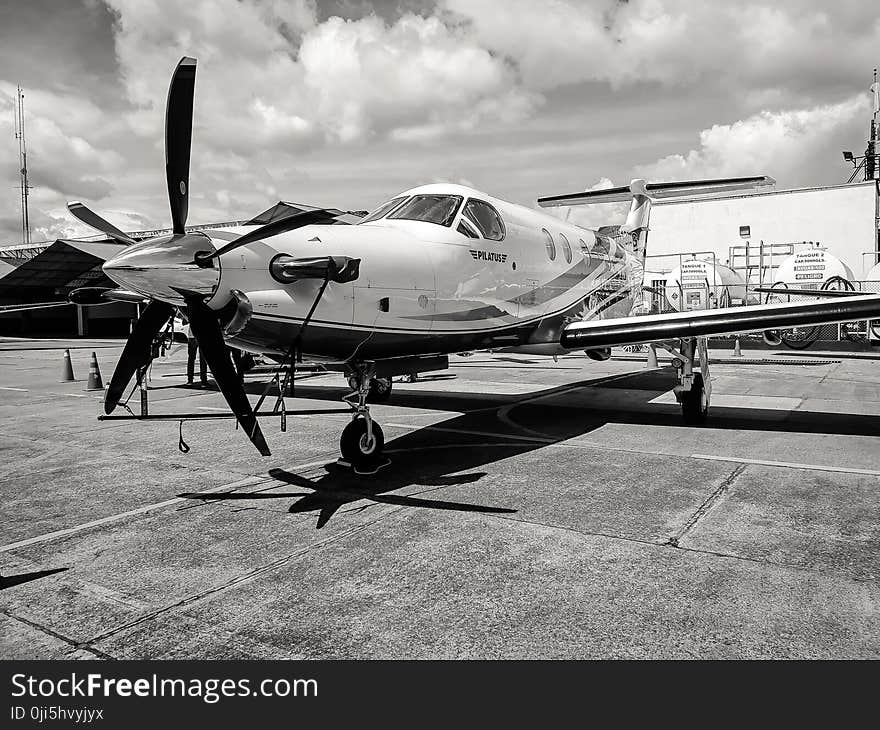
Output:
x=22 y=165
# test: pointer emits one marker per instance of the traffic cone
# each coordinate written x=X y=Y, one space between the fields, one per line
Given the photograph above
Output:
x=67 y=369
x=737 y=350
x=94 y=375
x=652 y=357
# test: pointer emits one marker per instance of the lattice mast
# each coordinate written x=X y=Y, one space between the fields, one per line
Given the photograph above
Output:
x=22 y=165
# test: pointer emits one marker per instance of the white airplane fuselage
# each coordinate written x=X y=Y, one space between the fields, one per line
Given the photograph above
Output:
x=426 y=288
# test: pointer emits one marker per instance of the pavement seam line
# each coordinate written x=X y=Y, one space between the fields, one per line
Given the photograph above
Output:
x=46 y=537
x=707 y=505
x=789 y=464
x=683 y=548
x=61 y=637
x=237 y=580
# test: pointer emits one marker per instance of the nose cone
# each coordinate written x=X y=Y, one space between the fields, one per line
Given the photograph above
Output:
x=164 y=268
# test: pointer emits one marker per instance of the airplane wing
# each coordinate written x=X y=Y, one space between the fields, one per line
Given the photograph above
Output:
x=731 y=320
x=7 y=308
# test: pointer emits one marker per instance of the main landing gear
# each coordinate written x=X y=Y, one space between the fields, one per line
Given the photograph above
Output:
x=694 y=390
x=362 y=440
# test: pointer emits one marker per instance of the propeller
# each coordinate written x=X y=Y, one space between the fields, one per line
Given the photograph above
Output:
x=193 y=280
x=93 y=220
x=137 y=351
x=283 y=225
x=178 y=139
x=206 y=328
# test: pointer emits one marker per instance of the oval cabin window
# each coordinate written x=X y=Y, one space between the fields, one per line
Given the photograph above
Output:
x=548 y=242
x=566 y=247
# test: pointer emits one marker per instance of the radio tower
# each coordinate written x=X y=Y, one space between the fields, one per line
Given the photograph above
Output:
x=22 y=161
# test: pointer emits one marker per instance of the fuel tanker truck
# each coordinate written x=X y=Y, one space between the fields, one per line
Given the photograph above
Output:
x=704 y=284
x=813 y=268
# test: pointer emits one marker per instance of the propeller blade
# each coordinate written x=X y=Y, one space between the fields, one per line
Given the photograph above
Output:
x=93 y=220
x=178 y=139
x=204 y=325
x=136 y=353
x=283 y=225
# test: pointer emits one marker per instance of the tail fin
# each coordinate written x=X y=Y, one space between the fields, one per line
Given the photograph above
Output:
x=641 y=194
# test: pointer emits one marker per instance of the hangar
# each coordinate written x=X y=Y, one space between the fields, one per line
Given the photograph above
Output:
x=49 y=277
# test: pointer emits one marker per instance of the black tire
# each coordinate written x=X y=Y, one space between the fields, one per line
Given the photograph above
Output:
x=694 y=404
x=799 y=338
x=380 y=390
x=353 y=444
x=838 y=283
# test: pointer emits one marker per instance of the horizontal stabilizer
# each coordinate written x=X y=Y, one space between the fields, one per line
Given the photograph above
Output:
x=658 y=191
x=731 y=320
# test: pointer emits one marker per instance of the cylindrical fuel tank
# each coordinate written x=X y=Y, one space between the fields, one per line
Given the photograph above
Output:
x=811 y=269
x=703 y=284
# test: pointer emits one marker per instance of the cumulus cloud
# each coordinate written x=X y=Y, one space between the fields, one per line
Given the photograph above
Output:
x=797 y=147
x=792 y=44
x=416 y=77
x=294 y=102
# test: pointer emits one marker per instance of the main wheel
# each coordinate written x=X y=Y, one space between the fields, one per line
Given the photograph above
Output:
x=695 y=403
x=356 y=449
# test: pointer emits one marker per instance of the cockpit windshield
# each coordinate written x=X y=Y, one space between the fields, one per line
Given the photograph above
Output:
x=439 y=209
x=384 y=209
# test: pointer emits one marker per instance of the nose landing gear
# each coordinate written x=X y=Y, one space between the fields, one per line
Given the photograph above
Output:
x=362 y=440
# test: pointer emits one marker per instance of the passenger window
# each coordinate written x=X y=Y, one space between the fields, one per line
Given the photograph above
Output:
x=485 y=218
x=585 y=251
x=566 y=248
x=551 y=247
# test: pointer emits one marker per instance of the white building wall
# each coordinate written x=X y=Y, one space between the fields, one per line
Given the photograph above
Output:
x=842 y=218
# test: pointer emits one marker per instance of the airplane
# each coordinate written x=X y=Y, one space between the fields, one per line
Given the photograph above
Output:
x=435 y=270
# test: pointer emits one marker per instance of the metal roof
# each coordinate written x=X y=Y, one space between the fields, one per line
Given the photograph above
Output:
x=63 y=266
x=5 y=268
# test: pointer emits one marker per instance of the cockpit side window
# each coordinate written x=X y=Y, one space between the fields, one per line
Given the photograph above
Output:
x=466 y=228
x=384 y=209
x=485 y=218
x=439 y=209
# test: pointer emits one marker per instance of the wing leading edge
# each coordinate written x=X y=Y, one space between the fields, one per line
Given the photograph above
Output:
x=731 y=320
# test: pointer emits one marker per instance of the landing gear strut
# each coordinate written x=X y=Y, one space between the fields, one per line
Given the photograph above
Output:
x=380 y=388
x=362 y=440
x=694 y=390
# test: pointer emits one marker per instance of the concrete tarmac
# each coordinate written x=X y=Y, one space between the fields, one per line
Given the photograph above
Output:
x=532 y=509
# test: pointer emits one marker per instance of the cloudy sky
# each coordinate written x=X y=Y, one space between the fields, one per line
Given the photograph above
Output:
x=345 y=102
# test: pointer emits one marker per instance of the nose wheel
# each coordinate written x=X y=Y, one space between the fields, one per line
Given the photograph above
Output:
x=360 y=448
x=362 y=440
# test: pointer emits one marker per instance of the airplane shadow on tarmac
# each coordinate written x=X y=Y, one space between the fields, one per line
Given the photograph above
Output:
x=8 y=581
x=435 y=456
